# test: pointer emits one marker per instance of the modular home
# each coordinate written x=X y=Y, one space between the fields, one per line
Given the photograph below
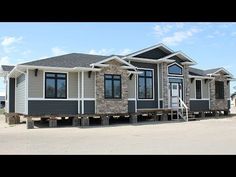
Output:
x=154 y=78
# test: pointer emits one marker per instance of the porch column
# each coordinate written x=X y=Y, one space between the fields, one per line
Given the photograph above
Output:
x=165 y=85
x=186 y=85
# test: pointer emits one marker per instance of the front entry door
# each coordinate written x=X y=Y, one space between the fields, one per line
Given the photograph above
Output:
x=174 y=95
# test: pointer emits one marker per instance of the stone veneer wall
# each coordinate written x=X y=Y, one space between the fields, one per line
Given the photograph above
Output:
x=186 y=85
x=218 y=104
x=111 y=105
x=165 y=85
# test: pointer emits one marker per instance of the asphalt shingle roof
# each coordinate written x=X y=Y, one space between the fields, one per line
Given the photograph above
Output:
x=7 y=67
x=68 y=61
x=199 y=72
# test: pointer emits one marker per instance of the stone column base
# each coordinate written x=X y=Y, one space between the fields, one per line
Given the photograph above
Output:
x=52 y=122
x=29 y=123
x=84 y=121
x=75 y=122
x=133 y=119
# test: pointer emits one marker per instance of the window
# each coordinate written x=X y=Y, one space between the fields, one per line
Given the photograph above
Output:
x=112 y=85
x=55 y=85
x=145 y=85
x=219 y=89
x=175 y=69
x=198 y=89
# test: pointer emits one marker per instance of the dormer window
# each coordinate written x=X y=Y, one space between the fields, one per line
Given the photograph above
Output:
x=175 y=69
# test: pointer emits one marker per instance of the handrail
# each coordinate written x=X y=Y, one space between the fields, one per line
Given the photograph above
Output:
x=185 y=106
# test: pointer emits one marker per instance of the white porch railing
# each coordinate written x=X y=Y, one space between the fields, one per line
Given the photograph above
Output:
x=182 y=107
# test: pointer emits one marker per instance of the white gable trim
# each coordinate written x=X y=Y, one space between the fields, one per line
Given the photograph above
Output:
x=113 y=58
x=180 y=53
x=223 y=69
x=150 y=48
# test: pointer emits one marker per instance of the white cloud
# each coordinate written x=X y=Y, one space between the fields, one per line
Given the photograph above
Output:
x=57 y=51
x=125 y=52
x=5 y=60
x=179 y=36
x=9 y=40
x=43 y=57
x=101 y=52
x=161 y=30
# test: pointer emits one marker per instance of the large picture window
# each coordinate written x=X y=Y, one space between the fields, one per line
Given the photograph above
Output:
x=145 y=85
x=55 y=85
x=112 y=85
x=198 y=89
x=175 y=69
x=219 y=89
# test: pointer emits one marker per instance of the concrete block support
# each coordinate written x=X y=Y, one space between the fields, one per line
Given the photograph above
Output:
x=85 y=121
x=105 y=120
x=202 y=114
x=75 y=122
x=164 y=117
x=29 y=123
x=133 y=119
x=52 y=122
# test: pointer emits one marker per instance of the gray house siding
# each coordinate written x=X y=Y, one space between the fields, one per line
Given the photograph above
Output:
x=205 y=89
x=89 y=107
x=131 y=106
x=131 y=87
x=35 y=84
x=20 y=94
x=148 y=103
x=51 y=107
x=89 y=85
x=12 y=95
x=199 y=105
x=73 y=85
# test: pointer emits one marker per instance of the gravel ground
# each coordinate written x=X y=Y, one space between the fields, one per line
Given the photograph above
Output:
x=209 y=136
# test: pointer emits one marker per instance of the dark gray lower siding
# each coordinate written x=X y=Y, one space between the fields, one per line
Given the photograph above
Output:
x=12 y=95
x=131 y=106
x=161 y=104
x=51 y=107
x=89 y=107
x=229 y=104
x=199 y=105
x=147 y=104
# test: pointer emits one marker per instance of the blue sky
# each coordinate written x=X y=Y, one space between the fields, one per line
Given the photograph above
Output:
x=211 y=45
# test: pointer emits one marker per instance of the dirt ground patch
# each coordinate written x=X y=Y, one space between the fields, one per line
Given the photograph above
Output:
x=210 y=136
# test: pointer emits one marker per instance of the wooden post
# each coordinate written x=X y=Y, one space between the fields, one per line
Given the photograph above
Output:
x=29 y=123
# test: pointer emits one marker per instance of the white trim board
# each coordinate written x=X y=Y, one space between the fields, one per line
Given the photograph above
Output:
x=153 y=85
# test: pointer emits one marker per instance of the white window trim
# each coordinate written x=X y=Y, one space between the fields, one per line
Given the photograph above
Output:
x=153 y=87
x=67 y=87
x=179 y=75
x=195 y=89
